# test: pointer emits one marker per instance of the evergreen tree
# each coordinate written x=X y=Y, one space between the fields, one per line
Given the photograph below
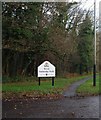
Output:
x=85 y=46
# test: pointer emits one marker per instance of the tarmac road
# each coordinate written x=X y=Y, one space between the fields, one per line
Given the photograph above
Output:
x=75 y=107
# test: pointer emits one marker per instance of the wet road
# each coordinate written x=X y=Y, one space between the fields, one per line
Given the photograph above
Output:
x=74 y=107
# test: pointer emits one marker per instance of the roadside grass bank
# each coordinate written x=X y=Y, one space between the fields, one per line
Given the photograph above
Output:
x=32 y=89
x=87 y=89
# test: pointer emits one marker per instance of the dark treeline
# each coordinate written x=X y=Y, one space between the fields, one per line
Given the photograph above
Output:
x=33 y=32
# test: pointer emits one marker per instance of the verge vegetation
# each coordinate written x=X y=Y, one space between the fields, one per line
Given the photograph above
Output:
x=87 y=88
x=32 y=89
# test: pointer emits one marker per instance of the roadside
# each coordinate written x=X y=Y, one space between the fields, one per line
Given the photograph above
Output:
x=71 y=91
x=66 y=107
x=87 y=89
x=31 y=89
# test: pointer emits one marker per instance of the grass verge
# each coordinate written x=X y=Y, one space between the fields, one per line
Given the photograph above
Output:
x=87 y=89
x=32 y=89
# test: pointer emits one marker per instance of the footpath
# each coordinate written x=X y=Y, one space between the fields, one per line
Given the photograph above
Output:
x=71 y=91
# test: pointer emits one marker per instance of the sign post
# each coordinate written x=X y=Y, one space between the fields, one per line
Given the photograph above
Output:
x=52 y=81
x=94 y=67
x=46 y=69
x=39 y=81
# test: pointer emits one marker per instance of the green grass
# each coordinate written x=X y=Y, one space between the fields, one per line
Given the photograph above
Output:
x=88 y=89
x=45 y=87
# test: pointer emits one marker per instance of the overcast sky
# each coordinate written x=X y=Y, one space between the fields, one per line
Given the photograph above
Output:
x=89 y=4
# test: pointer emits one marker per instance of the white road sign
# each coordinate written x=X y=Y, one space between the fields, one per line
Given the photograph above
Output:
x=46 y=69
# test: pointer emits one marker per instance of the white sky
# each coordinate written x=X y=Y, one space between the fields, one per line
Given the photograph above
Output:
x=89 y=4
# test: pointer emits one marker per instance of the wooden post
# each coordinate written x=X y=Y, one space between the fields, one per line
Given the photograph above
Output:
x=39 y=81
x=52 y=81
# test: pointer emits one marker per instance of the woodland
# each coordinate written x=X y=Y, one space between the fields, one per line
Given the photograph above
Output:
x=60 y=32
